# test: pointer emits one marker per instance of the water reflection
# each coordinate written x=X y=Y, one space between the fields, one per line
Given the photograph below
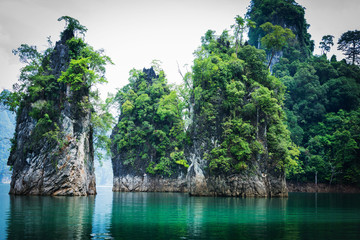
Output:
x=39 y=217
x=233 y=218
x=102 y=214
x=177 y=216
x=148 y=215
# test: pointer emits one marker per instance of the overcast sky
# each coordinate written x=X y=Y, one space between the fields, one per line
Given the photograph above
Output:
x=135 y=32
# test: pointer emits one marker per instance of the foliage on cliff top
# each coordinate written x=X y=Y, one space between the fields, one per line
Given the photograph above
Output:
x=43 y=93
x=286 y=13
x=150 y=133
x=238 y=108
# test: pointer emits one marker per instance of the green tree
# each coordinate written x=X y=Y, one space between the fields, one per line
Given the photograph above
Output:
x=72 y=27
x=276 y=38
x=319 y=93
x=239 y=27
x=316 y=89
x=349 y=43
x=326 y=43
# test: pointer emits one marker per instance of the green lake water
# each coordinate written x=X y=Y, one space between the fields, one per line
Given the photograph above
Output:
x=177 y=216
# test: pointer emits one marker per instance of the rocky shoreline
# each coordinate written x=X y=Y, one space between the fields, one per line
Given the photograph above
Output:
x=322 y=188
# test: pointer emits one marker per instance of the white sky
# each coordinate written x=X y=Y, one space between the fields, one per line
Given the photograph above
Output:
x=135 y=32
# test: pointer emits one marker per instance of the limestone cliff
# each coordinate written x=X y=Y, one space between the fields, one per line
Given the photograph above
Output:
x=53 y=155
x=147 y=153
x=239 y=143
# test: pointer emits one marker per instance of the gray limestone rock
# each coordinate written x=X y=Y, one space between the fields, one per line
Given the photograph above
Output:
x=146 y=183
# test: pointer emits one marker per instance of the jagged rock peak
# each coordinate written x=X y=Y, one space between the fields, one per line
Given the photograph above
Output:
x=54 y=155
x=150 y=74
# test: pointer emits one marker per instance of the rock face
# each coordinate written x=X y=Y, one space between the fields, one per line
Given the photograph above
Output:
x=257 y=182
x=260 y=181
x=236 y=185
x=146 y=183
x=64 y=168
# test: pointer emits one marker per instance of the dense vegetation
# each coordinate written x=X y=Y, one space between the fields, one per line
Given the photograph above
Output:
x=45 y=86
x=322 y=96
x=285 y=13
x=322 y=106
x=150 y=134
x=238 y=108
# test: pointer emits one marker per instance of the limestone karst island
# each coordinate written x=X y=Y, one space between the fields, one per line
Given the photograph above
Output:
x=257 y=118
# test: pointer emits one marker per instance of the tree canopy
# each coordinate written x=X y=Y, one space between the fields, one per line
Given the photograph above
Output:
x=322 y=105
x=320 y=95
x=349 y=43
x=326 y=43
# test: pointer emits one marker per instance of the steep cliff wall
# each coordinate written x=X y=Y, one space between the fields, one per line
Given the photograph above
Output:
x=147 y=142
x=52 y=152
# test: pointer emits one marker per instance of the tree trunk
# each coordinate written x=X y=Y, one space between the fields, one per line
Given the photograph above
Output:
x=272 y=56
x=237 y=45
x=353 y=53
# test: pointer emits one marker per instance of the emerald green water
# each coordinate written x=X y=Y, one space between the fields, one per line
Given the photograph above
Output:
x=177 y=216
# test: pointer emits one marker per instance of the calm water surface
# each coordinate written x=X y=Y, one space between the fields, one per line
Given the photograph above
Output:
x=177 y=216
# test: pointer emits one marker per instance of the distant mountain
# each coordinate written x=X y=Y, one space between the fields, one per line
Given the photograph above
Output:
x=7 y=127
x=103 y=173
